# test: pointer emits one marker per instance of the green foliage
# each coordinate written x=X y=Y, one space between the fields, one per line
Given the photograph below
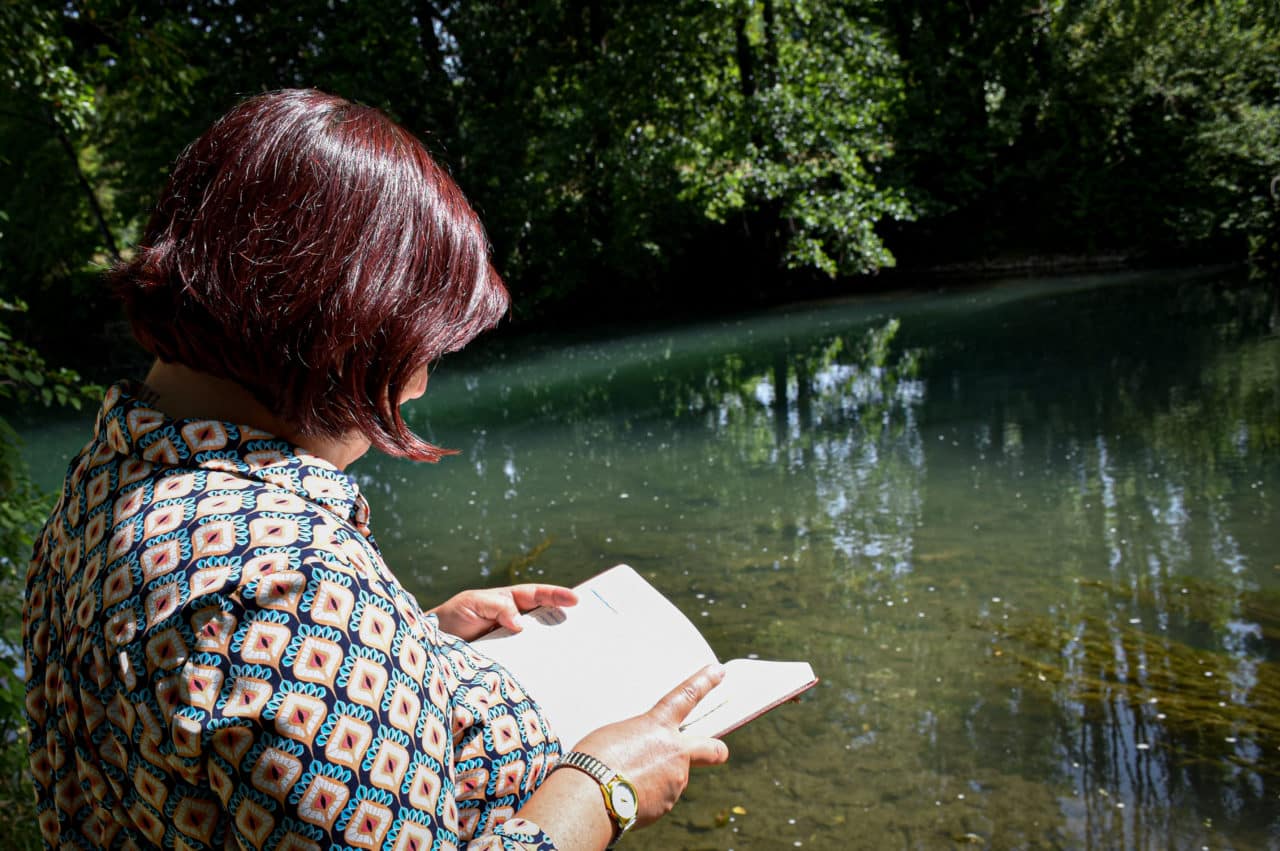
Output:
x=613 y=142
x=806 y=90
x=601 y=141
x=36 y=69
x=26 y=380
x=1193 y=89
x=22 y=509
x=42 y=99
x=1081 y=127
x=676 y=152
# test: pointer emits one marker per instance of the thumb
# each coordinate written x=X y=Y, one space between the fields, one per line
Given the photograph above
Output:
x=506 y=614
x=676 y=705
x=707 y=751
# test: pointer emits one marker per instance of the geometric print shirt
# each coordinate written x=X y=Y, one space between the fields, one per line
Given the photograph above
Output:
x=217 y=657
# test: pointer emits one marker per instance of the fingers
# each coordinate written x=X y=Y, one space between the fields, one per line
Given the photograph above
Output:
x=679 y=702
x=508 y=603
x=532 y=594
x=707 y=751
x=488 y=606
x=506 y=614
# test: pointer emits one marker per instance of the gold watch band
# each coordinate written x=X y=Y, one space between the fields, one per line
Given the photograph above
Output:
x=586 y=762
x=611 y=783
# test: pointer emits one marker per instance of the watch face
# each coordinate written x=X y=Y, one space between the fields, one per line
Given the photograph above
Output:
x=623 y=798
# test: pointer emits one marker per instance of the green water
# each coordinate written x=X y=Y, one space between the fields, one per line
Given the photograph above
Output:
x=1028 y=536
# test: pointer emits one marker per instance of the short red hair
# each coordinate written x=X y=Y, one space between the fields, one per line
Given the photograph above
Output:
x=309 y=249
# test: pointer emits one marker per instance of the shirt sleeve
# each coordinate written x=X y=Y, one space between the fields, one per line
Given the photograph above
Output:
x=315 y=707
x=514 y=834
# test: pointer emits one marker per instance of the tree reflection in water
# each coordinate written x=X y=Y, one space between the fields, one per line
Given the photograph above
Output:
x=1028 y=537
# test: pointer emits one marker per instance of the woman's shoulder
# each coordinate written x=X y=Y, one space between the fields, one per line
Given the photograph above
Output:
x=182 y=519
x=221 y=533
x=245 y=571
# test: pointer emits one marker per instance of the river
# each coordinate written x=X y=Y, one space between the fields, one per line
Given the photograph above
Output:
x=1028 y=535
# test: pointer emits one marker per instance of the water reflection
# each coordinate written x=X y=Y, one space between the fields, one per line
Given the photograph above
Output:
x=1028 y=537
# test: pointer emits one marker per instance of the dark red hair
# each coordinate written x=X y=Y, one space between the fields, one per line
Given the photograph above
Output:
x=310 y=250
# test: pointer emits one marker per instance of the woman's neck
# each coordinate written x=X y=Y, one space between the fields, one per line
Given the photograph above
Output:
x=182 y=393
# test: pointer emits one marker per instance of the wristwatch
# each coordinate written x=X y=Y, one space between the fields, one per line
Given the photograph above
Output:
x=620 y=797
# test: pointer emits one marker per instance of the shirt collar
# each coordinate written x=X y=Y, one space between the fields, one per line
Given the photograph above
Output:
x=129 y=426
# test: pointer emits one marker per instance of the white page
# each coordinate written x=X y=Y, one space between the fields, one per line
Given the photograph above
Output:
x=750 y=687
x=610 y=657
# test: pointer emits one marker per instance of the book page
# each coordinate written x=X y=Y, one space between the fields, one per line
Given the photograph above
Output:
x=610 y=657
x=750 y=688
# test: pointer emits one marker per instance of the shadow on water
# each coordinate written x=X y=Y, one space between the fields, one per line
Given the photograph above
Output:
x=1028 y=536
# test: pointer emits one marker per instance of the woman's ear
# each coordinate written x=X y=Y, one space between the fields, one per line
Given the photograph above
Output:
x=416 y=386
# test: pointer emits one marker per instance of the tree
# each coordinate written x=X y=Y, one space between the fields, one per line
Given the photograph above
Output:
x=603 y=142
x=1086 y=127
x=53 y=220
x=626 y=143
x=659 y=157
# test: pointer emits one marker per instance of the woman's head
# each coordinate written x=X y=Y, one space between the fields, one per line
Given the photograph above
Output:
x=310 y=250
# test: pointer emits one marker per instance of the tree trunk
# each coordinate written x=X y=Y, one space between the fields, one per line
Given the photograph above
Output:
x=445 y=110
x=770 y=46
x=746 y=61
x=73 y=155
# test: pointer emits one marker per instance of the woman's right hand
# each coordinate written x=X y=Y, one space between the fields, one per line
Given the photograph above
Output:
x=650 y=751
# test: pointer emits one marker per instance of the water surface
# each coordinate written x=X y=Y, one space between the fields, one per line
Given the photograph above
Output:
x=1028 y=536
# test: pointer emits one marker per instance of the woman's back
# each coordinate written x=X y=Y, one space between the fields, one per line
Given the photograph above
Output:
x=218 y=654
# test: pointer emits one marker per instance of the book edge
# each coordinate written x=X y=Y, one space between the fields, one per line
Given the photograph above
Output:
x=767 y=708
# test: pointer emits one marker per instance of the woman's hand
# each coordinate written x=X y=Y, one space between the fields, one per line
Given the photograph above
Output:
x=650 y=751
x=471 y=614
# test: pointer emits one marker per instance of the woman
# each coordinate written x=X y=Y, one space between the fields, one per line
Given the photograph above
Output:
x=217 y=655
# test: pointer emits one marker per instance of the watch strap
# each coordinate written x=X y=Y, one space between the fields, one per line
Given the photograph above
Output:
x=586 y=762
x=607 y=778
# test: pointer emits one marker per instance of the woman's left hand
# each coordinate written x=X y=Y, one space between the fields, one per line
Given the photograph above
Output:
x=471 y=614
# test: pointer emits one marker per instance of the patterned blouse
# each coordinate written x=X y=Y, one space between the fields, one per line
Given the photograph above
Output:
x=218 y=657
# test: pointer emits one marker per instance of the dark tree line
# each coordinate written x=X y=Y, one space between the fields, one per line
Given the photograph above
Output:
x=669 y=156
x=1086 y=127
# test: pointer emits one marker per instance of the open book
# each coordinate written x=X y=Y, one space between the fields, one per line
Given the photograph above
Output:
x=623 y=647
